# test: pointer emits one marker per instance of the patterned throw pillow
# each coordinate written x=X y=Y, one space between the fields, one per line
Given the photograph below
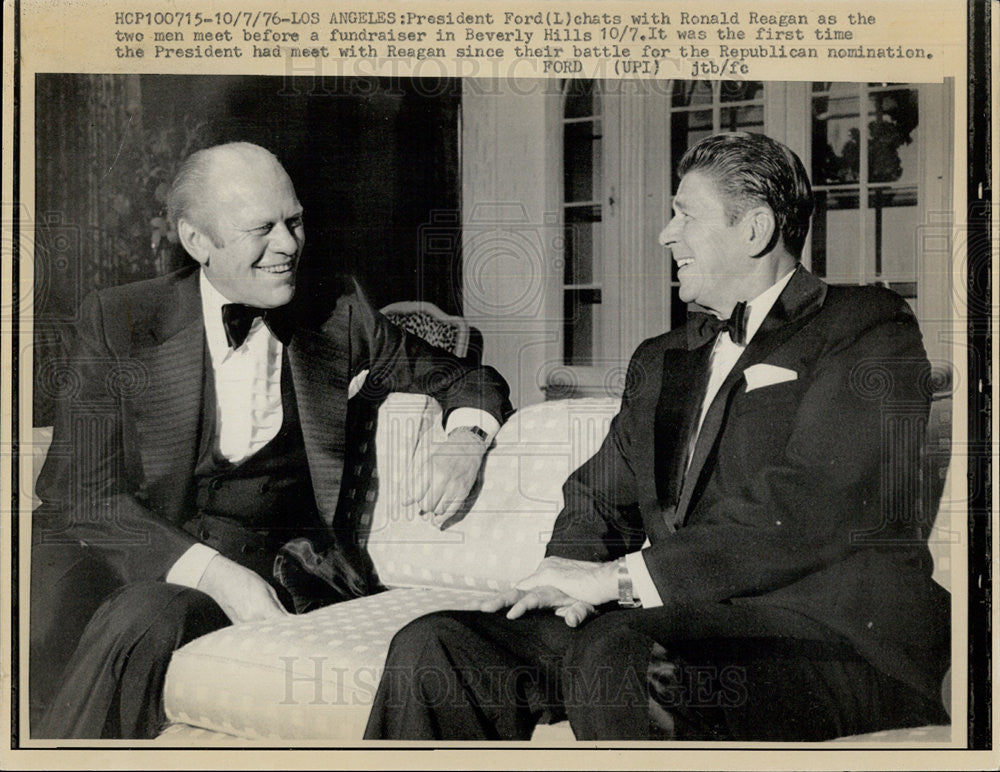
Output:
x=434 y=331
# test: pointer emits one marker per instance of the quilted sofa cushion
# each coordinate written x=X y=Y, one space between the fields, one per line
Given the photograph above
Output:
x=501 y=537
x=311 y=677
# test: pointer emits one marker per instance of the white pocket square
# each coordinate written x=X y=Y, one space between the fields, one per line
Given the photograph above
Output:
x=767 y=375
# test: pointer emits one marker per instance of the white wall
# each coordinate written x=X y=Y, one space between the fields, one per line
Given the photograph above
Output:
x=509 y=236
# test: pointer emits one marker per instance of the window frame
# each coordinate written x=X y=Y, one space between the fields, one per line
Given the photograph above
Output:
x=637 y=162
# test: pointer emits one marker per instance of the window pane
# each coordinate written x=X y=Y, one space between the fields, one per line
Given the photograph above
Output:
x=741 y=90
x=747 y=118
x=686 y=128
x=843 y=90
x=691 y=92
x=892 y=136
x=580 y=99
x=581 y=317
x=836 y=140
x=835 y=239
x=582 y=251
x=877 y=244
x=892 y=231
x=581 y=160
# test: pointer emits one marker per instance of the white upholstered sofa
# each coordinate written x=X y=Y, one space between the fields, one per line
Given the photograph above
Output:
x=313 y=677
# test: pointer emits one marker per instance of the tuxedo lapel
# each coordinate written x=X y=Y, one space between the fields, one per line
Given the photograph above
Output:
x=801 y=298
x=171 y=351
x=685 y=378
x=319 y=362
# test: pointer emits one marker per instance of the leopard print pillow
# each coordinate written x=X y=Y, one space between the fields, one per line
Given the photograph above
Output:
x=423 y=325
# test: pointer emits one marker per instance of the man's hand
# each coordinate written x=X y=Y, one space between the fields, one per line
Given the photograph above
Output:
x=241 y=593
x=573 y=611
x=571 y=587
x=593 y=583
x=443 y=479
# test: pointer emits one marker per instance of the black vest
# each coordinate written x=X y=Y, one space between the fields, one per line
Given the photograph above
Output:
x=246 y=511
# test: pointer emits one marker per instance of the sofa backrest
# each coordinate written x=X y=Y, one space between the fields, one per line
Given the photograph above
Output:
x=501 y=537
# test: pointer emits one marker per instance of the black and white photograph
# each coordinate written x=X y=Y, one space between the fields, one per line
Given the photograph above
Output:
x=549 y=411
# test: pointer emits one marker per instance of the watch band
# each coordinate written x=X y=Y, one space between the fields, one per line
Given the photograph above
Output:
x=478 y=431
x=625 y=597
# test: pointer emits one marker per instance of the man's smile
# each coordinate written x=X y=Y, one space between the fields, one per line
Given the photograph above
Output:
x=277 y=268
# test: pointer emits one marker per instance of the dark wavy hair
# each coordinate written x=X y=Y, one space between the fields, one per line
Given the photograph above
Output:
x=751 y=169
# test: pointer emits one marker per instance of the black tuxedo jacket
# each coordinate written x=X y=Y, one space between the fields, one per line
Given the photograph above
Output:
x=119 y=476
x=801 y=496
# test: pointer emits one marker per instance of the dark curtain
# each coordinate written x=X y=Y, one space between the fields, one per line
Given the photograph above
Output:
x=87 y=132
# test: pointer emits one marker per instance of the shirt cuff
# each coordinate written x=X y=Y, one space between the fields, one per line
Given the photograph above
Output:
x=643 y=588
x=190 y=566
x=470 y=416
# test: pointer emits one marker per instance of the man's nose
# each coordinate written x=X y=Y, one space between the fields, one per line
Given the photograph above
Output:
x=668 y=235
x=283 y=240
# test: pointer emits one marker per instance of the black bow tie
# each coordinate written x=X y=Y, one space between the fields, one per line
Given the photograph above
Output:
x=237 y=319
x=703 y=327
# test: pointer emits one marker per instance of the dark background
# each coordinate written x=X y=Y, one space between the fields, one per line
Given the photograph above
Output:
x=372 y=159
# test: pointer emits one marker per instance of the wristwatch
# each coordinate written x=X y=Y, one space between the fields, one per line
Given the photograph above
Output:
x=479 y=432
x=625 y=597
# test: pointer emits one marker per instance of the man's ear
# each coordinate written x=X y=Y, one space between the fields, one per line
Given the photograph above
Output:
x=194 y=240
x=759 y=231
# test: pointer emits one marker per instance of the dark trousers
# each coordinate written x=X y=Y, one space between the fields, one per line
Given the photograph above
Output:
x=99 y=655
x=113 y=684
x=719 y=672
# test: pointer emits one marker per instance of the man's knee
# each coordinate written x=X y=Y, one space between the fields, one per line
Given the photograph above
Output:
x=418 y=661
x=68 y=585
x=605 y=667
x=438 y=625
x=424 y=636
x=604 y=640
x=156 y=611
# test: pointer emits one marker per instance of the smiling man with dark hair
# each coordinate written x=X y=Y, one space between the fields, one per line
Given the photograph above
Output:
x=785 y=592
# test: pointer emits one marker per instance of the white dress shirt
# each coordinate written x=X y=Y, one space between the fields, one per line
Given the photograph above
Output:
x=723 y=358
x=248 y=410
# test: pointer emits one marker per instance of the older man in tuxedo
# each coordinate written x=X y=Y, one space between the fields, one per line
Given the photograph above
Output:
x=195 y=471
x=785 y=592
